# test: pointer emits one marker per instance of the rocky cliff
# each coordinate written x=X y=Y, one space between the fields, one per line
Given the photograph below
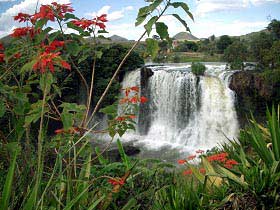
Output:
x=255 y=93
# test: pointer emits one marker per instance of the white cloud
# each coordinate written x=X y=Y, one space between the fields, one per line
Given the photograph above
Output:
x=115 y=15
x=209 y=6
x=27 y=6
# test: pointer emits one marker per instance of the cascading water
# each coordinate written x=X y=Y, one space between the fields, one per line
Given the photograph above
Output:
x=187 y=112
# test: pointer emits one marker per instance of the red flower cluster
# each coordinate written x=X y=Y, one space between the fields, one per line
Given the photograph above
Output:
x=116 y=181
x=86 y=24
x=181 y=162
x=202 y=170
x=62 y=9
x=123 y=118
x=222 y=158
x=187 y=172
x=53 y=46
x=71 y=131
x=191 y=157
x=19 y=32
x=48 y=60
x=1 y=53
x=22 y=17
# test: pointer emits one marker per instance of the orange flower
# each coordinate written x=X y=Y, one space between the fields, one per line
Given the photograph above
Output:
x=135 y=88
x=202 y=170
x=120 y=118
x=132 y=116
x=124 y=100
x=191 y=157
x=143 y=99
x=116 y=181
x=134 y=100
x=199 y=151
x=181 y=162
x=187 y=172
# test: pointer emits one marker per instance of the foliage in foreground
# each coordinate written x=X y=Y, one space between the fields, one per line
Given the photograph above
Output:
x=198 y=68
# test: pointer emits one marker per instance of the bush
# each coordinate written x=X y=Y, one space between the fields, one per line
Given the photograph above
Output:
x=198 y=68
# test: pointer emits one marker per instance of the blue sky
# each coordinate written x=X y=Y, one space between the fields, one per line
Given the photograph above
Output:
x=232 y=17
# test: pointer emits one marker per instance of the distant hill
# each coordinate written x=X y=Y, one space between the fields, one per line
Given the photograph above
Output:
x=250 y=36
x=116 y=38
x=6 y=40
x=185 y=36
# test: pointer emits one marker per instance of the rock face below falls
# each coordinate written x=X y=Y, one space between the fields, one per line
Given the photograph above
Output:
x=254 y=93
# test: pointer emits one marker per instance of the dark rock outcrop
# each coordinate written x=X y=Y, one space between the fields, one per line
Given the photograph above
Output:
x=254 y=94
x=144 y=121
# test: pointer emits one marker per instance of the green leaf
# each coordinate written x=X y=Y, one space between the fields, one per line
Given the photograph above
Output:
x=67 y=120
x=73 y=48
x=184 y=6
x=150 y=24
x=123 y=155
x=140 y=20
x=182 y=21
x=27 y=67
x=41 y=23
x=110 y=110
x=2 y=108
x=152 y=47
x=46 y=81
x=68 y=16
x=95 y=203
x=6 y=194
x=130 y=204
x=101 y=159
x=162 y=30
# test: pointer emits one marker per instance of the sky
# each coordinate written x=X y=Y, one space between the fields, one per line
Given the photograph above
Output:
x=218 y=17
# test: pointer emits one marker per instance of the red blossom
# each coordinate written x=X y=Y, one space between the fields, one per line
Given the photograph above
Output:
x=187 y=172
x=221 y=157
x=124 y=100
x=19 y=32
x=62 y=9
x=2 y=57
x=71 y=130
x=230 y=163
x=46 y=12
x=101 y=25
x=83 y=23
x=120 y=118
x=132 y=116
x=116 y=181
x=135 y=89
x=1 y=46
x=202 y=170
x=134 y=99
x=143 y=99
x=191 y=157
x=17 y=55
x=181 y=162
x=102 y=18
x=48 y=60
x=53 y=46
x=199 y=151
x=22 y=17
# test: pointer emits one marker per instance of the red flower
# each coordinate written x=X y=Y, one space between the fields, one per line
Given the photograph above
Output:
x=127 y=91
x=22 y=17
x=222 y=157
x=2 y=57
x=61 y=9
x=187 y=172
x=230 y=163
x=135 y=89
x=124 y=100
x=59 y=131
x=47 y=60
x=132 y=116
x=134 y=100
x=181 y=162
x=121 y=118
x=199 y=151
x=202 y=170
x=101 y=25
x=102 y=18
x=143 y=99
x=46 y=12
x=83 y=23
x=17 y=55
x=191 y=157
x=53 y=46
x=116 y=181
x=1 y=46
x=19 y=32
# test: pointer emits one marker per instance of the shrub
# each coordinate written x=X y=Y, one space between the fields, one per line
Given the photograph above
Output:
x=198 y=68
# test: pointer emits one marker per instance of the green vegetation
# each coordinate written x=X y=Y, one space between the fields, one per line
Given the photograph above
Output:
x=198 y=68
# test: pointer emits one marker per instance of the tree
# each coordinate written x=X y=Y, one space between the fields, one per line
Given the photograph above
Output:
x=236 y=54
x=274 y=28
x=223 y=43
x=271 y=57
x=212 y=38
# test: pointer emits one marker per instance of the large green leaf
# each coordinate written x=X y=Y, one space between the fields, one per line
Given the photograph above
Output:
x=152 y=47
x=274 y=128
x=182 y=21
x=184 y=6
x=149 y=25
x=162 y=30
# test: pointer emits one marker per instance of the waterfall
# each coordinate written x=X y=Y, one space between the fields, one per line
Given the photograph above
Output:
x=187 y=112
